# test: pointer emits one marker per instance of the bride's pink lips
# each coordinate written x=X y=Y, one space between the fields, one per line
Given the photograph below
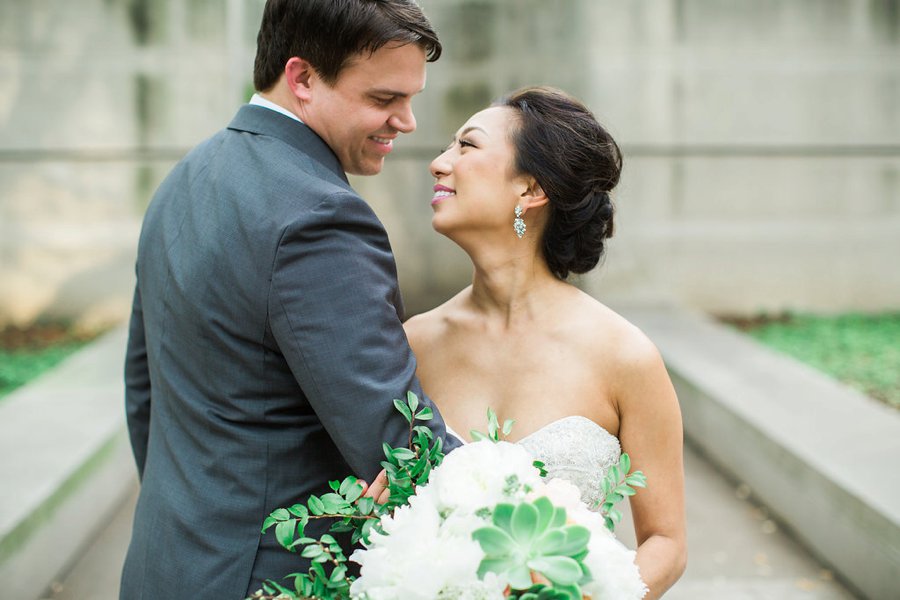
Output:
x=441 y=192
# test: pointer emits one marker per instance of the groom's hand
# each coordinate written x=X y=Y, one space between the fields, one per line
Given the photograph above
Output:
x=379 y=488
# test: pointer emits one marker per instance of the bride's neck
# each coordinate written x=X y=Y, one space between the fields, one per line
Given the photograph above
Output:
x=510 y=287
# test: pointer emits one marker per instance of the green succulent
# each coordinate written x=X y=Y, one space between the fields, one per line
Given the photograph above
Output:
x=534 y=537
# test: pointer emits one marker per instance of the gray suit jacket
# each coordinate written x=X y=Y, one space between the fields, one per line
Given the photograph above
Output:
x=265 y=349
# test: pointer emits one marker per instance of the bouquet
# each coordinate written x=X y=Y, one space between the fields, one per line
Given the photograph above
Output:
x=480 y=524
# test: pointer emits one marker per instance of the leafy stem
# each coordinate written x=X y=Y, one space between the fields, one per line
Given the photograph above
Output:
x=618 y=485
x=406 y=468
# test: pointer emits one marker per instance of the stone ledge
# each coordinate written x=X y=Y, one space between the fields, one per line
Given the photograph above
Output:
x=820 y=455
x=66 y=465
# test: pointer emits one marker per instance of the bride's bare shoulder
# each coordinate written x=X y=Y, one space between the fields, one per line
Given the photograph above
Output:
x=612 y=337
x=428 y=327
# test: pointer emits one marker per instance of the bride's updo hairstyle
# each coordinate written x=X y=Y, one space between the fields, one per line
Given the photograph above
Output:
x=577 y=164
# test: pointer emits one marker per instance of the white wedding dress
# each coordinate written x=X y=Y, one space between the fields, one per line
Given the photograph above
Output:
x=575 y=449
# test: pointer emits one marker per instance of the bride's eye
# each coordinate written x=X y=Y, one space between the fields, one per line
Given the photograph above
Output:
x=465 y=143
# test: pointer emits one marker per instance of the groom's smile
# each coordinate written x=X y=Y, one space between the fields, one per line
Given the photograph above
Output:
x=361 y=114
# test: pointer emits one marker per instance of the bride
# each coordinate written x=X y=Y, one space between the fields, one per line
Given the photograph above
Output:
x=524 y=190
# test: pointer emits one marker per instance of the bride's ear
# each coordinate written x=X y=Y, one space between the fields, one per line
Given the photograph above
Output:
x=299 y=75
x=533 y=196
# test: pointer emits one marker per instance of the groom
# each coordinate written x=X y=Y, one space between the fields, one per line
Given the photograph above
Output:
x=266 y=342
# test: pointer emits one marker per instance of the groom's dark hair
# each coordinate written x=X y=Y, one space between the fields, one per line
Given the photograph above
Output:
x=329 y=33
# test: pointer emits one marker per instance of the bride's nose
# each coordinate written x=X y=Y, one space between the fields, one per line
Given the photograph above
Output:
x=441 y=165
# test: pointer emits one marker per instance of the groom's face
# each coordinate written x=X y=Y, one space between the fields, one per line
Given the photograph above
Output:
x=368 y=106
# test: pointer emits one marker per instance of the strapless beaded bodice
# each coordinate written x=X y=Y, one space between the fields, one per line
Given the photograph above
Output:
x=575 y=449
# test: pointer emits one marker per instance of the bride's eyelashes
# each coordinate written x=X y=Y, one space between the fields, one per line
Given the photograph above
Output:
x=462 y=143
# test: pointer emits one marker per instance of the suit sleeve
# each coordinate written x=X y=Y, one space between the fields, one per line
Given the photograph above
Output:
x=333 y=315
x=137 y=385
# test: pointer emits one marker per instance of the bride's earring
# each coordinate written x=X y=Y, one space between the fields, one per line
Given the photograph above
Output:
x=518 y=223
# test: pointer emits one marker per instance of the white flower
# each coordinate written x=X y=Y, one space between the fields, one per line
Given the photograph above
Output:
x=482 y=474
x=491 y=588
x=417 y=558
x=427 y=552
x=615 y=574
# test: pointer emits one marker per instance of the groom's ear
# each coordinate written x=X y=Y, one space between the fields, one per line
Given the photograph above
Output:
x=533 y=196
x=299 y=74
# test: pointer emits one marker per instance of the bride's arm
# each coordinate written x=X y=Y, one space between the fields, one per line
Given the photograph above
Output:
x=650 y=431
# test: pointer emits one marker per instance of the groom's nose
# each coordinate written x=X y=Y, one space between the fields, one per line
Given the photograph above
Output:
x=403 y=120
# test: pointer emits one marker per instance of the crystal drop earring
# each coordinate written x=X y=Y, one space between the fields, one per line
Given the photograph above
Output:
x=518 y=223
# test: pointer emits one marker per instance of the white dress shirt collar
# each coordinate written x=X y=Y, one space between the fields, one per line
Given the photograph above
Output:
x=260 y=101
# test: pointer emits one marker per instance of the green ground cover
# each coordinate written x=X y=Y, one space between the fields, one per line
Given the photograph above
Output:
x=26 y=353
x=863 y=351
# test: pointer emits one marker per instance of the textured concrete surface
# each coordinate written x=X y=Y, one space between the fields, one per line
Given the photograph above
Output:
x=65 y=465
x=821 y=455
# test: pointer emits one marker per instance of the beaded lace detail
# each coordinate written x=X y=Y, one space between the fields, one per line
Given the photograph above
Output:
x=575 y=449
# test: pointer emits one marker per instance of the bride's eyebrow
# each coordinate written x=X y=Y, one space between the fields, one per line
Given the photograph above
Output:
x=472 y=128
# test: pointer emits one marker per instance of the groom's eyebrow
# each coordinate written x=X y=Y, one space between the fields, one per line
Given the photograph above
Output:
x=394 y=93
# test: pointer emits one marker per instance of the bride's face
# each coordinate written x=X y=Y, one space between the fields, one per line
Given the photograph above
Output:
x=476 y=188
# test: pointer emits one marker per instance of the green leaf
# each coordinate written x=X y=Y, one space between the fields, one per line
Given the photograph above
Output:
x=346 y=484
x=413 y=401
x=550 y=542
x=281 y=514
x=268 y=523
x=614 y=473
x=637 y=479
x=507 y=426
x=524 y=522
x=477 y=436
x=577 y=538
x=493 y=425
x=503 y=515
x=545 y=510
x=404 y=409
x=567 y=592
x=316 y=506
x=425 y=414
x=559 y=517
x=284 y=533
x=499 y=565
x=333 y=503
x=312 y=551
x=558 y=569
x=354 y=492
x=365 y=505
x=625 y=463
x=519 y=577
x=298 y=510
x=493 y=540
x=402 y=454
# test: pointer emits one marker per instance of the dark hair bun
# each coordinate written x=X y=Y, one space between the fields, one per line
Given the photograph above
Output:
x=577 y=163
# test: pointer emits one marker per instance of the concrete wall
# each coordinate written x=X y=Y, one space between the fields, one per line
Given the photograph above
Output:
x=762 y=141
x=98 y=99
